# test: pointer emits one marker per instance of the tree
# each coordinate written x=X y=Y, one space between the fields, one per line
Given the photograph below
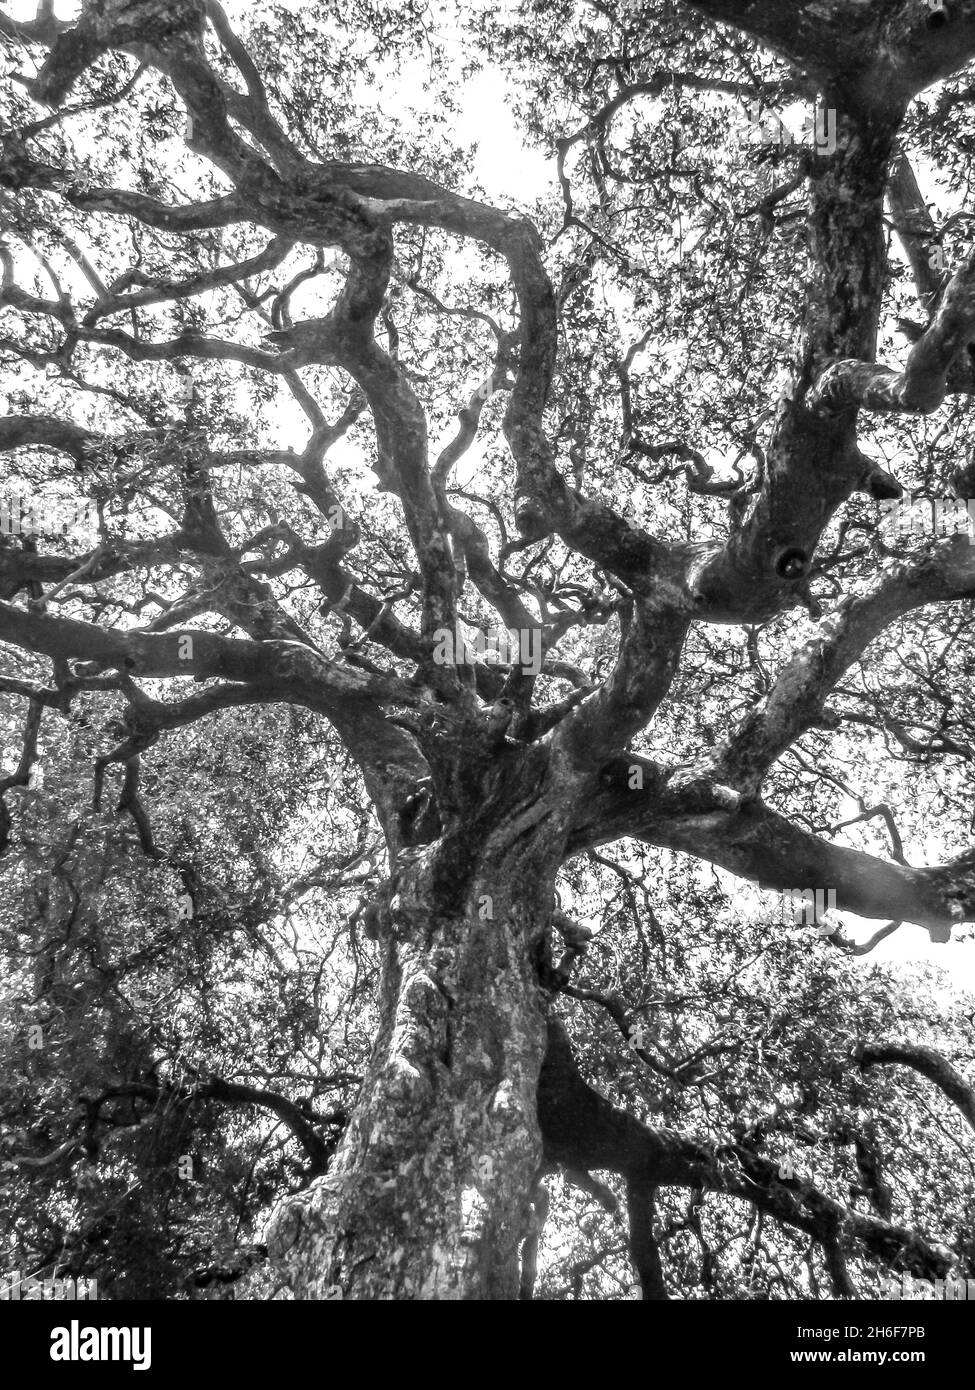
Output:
x=209 y=245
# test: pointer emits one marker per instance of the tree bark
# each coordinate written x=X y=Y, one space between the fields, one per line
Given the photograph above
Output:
x=429 y=1194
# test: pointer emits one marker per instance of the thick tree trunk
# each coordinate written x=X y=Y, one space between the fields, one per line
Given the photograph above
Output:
x=428 y=1196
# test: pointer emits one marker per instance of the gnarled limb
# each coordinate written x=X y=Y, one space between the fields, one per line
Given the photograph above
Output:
x=938 y=573
x=920 y=387
x=928 y=1062
x=580 y=1128
x=747 y=838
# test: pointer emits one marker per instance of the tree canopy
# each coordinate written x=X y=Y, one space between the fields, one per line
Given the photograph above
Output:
x=454 y=649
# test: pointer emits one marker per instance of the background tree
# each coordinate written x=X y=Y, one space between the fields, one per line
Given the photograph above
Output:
x=297 y=915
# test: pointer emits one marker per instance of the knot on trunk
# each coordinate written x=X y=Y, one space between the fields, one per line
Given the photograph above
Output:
x=532 y=518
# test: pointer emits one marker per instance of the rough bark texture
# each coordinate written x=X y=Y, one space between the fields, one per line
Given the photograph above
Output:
x=428 y=1195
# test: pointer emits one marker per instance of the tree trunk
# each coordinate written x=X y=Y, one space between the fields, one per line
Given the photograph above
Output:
x=428 y=1196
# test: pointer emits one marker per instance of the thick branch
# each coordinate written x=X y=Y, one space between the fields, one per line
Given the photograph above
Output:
x=941 y=572
x=716 y=824
x=581 y=1129
x=920 y=387
x=930 y=1064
